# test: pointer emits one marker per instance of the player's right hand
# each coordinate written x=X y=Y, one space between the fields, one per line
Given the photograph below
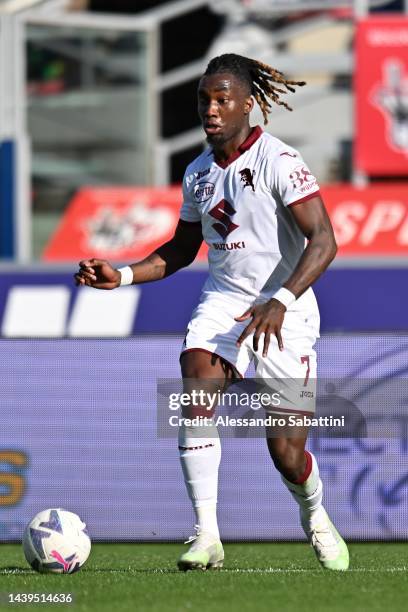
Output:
x=97 y=273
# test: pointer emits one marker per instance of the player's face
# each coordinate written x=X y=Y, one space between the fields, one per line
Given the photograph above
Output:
x=224 y=105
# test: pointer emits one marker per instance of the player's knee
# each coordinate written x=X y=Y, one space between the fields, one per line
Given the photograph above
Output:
x=288 y=458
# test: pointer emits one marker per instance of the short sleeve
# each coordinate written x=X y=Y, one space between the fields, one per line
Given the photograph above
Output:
x=292 y=179
x=188 y=210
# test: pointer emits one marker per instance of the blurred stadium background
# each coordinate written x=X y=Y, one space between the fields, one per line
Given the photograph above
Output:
x=97 y=123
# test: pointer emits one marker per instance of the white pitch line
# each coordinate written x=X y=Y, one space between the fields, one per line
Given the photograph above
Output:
x=271 y=570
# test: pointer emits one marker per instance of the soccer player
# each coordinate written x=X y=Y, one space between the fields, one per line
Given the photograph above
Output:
x=256 y=204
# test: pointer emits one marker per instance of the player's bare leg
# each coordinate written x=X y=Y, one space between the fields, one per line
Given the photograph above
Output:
x=300 y=473
x=200 y=455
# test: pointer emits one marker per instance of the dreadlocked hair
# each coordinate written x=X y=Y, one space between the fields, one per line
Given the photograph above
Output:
x=260 y=78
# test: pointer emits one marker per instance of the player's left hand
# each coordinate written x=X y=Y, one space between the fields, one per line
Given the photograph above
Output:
x=267 y=319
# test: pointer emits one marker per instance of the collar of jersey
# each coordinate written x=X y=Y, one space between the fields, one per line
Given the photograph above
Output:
x=255 y=133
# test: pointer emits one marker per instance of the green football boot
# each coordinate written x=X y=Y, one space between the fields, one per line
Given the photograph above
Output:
x=330 y=548
x=205 y=552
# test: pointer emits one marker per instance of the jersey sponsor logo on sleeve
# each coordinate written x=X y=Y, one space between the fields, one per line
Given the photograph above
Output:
x=302 y=179
x=202 y=173
x=223 y=211
x=247 y=177
x=203 y=191
x=287 y=153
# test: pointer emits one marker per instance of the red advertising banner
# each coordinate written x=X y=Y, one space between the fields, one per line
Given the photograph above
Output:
x=126 y=224
x=117 y=223
x=381 y=90
x=371 y=221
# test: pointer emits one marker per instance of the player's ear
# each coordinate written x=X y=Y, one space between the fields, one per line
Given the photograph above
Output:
x=248 y=105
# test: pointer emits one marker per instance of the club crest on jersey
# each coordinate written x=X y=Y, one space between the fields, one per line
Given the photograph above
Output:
x=222 y=212
x=203 y=191
x=247 y=177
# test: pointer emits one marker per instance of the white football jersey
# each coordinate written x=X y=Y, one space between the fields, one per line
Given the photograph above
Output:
x=253 y=240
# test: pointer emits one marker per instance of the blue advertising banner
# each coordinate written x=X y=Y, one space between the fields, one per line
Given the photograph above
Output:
x=49 y=305
x=79 y=431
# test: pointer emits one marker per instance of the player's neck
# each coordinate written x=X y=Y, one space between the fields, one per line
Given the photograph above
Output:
x=224 y=151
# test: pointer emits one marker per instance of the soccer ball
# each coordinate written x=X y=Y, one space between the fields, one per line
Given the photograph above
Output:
x=56 y=541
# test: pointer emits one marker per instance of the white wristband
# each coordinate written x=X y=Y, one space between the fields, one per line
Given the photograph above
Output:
x=284 y=296
x=126 y=275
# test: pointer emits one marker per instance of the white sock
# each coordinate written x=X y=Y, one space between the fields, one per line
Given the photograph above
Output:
x=200 y=456
x=309 y=494
x=206 y=517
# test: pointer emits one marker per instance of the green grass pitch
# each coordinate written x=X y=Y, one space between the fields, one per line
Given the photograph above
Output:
x=256 y=577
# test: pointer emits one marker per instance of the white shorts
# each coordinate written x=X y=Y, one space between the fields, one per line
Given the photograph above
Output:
x=212 y=329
